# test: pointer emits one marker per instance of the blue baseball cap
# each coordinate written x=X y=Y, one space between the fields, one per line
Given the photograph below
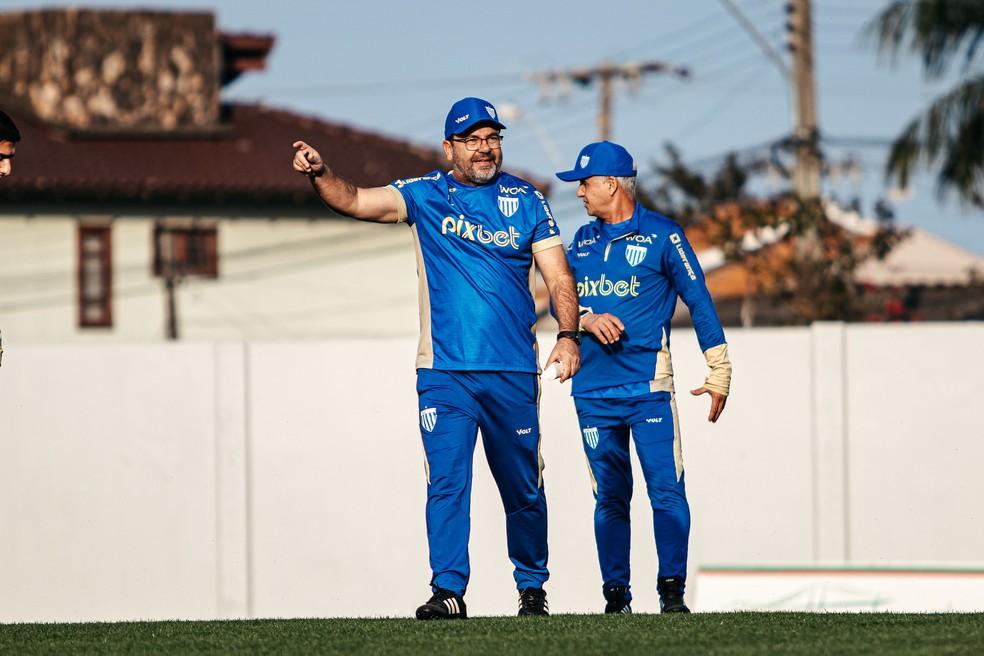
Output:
x=600 y=158
x=469 y=112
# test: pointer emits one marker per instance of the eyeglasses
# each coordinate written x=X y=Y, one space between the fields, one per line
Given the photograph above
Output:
x=474 y=143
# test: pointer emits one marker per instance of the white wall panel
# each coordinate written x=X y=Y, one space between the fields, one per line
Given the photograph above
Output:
x=915 y=443
x=107 y=483
x=286 y=478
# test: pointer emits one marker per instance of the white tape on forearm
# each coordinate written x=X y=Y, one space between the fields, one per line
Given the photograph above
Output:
x=719 y=378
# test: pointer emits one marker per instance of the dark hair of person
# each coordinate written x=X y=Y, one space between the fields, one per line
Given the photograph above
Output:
x=8 y=131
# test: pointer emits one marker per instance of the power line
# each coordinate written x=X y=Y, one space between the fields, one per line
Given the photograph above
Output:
x=712 y=74
x=384 y=87
x=341 y=239
x=728 y=46
x=576 y=113
x=858 y=141
x=701 y=22
x=604 y=75
x=701 y=36
x=757 y=37
x=729 y=96
x=153 y=288
x=759 y=149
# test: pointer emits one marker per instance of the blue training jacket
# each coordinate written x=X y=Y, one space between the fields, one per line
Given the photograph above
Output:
x=635 y=270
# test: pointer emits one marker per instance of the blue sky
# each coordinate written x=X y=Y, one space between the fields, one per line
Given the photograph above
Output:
x=395 y=67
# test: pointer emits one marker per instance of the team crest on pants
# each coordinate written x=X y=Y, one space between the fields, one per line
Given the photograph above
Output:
x=591 y=437
x=428 y=419
x=635 y=254
x=508 y=206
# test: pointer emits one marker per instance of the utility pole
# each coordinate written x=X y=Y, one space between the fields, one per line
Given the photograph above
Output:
x=164 y=248
x=806 y=173
x=605 y=74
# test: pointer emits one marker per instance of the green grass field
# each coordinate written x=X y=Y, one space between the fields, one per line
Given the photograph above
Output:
x=710 y=633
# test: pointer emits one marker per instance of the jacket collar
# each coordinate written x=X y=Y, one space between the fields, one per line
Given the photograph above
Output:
x=633 y=222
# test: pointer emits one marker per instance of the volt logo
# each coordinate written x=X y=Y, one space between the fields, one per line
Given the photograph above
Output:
x=524 y=431
x=654 y=420
x=465 y=229
x=605 y=287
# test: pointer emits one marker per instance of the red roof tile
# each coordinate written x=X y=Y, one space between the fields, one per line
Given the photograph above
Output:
x=247 y=160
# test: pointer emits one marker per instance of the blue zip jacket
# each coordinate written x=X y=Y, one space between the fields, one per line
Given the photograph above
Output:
x=635 y=270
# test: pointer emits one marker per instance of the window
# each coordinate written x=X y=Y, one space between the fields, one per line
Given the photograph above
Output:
x=95 y=276
x=186 y=251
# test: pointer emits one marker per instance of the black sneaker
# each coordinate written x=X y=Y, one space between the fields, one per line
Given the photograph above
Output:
x=443 y=605
x=617 y=603
x=671 y=595
x=533 y=601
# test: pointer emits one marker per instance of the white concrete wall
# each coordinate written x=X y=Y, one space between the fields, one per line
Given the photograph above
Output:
x=203 y=480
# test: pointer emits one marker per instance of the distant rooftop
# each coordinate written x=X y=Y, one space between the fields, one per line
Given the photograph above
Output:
x=248 y=161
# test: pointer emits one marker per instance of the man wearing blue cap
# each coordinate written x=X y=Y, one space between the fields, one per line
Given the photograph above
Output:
x=630 y=266
x=477 y=231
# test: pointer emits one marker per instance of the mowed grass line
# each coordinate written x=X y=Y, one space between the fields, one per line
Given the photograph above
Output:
x=705 y=633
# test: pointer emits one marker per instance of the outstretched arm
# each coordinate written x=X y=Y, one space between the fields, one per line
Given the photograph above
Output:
x=379 y=204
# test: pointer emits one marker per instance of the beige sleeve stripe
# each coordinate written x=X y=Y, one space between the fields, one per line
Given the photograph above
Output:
x=401 y=204
x=544 y=244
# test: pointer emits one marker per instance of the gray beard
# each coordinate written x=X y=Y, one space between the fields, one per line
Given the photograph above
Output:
x=482 y=177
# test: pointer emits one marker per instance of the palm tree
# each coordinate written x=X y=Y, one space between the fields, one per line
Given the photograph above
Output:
x=949 y=134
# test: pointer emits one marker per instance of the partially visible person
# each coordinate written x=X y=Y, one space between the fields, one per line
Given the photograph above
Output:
x=630 y=266
x=9 y=137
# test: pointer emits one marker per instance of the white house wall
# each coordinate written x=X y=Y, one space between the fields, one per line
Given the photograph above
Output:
x=37 y=279
x=282 y=278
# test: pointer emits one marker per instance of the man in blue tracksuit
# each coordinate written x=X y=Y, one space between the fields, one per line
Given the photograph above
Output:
x=477 y=231
x=630 y=265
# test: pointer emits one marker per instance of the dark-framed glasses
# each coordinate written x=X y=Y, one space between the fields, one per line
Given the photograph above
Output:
x=474 y=143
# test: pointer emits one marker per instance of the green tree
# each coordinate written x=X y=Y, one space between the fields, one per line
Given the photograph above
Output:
x=947 y=35
x=726 y=212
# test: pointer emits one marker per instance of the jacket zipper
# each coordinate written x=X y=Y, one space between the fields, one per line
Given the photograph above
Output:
x=609 y=246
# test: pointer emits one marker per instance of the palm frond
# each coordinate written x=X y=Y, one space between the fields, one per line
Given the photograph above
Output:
x=949 y=133
x=939 y=31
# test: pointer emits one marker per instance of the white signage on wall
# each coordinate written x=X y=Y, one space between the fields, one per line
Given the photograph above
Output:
x=897 y=589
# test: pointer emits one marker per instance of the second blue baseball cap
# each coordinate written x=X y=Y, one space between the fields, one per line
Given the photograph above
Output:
x=600 y=158
x=469 y=112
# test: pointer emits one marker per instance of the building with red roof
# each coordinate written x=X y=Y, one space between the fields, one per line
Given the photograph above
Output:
x=142 y=205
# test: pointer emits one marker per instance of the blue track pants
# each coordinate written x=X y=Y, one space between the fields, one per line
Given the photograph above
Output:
x=454 y=405
x=605 y=428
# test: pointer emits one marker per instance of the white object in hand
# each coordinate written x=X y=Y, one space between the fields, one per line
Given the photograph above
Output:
x=553 y=371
